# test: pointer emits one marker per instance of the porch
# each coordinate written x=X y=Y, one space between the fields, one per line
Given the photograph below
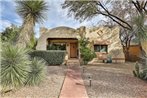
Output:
x=70 y=45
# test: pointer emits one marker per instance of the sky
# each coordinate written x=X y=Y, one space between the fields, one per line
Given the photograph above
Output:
x=56 y=16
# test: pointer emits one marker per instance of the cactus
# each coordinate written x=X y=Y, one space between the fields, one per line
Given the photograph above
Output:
x=137 y=73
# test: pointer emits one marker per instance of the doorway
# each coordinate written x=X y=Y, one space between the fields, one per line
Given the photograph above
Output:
x=73 y=50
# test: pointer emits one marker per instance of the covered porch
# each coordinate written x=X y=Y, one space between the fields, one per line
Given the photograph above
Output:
x=70 y=45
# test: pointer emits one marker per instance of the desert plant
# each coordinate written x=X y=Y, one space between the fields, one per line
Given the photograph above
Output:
x=136 y=71
x=140 y=74
x=37 y=72
x=14 y=66
x=32 y=12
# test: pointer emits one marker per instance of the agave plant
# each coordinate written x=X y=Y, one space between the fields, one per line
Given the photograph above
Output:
x=37 y=72
x=14 y=66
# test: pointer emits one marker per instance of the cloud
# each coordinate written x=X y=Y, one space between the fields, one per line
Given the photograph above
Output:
x=18 y=21
x=56 y=16
x=4 y=24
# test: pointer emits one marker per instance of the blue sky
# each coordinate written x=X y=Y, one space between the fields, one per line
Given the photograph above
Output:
x=56 y=16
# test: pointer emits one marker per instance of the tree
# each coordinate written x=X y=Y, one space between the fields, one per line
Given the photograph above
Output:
x=32 y=12
x=86 y=10
x=10 y=34
x=126 y=39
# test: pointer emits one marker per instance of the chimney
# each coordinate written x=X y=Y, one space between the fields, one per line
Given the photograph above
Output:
x=43 y=30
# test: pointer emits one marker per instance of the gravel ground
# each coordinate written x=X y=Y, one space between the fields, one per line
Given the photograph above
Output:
x=49 y=88
x=114 y=81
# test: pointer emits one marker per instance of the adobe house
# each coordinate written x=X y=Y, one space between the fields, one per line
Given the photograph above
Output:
x=103 y=40
x=59 y=38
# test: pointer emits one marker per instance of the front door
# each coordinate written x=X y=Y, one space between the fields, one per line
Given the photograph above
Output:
x=73 y=50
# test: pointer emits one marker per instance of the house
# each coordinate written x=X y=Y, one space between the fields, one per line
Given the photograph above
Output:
x=103 y=40
x=60 y=38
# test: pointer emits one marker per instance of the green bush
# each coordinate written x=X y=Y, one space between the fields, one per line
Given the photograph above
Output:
x=14 y=66
x=37 y=72
x=10 y=34
x=87 y=54
x=54 y=57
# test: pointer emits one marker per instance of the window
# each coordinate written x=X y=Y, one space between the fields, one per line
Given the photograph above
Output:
x=100 y=48
x=56 y=46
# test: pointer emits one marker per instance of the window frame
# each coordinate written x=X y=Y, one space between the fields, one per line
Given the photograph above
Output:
x=101 y=46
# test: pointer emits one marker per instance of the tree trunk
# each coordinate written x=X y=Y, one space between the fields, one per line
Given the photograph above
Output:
x=26 y=33
x=126 y=52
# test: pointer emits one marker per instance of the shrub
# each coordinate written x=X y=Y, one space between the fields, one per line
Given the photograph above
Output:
x=137 y=73
x=10 y=34
x=87 y=54
x=14 y=66
x=37 y=72
x=54 y=57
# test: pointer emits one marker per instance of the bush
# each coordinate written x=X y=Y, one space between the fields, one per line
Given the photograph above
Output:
x=137 y=73
x=37 y=72
x=10 y=34
x=54 y=57
x=87 y=54
x=14 y=66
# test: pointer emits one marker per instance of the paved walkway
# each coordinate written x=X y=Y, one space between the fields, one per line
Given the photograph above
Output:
x=73 y=86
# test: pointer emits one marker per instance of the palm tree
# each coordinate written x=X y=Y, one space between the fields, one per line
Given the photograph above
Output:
x=32 y=12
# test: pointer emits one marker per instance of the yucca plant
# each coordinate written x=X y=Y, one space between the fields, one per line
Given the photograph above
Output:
x=14 y=66
x=32 y=12
x=37 y=72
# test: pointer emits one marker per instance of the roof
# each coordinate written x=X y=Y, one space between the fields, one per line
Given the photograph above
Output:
x=60 y=32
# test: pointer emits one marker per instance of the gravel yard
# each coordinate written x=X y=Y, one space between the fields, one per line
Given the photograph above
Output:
x=114 y=81
x=49 y=88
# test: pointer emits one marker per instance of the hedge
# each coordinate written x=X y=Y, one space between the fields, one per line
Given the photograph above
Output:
x=53 y=57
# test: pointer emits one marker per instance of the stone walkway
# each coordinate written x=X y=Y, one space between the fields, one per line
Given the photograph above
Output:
x=73 y=86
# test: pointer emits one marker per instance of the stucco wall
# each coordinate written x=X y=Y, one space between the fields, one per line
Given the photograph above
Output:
x=105 y=35
x=109 y=36
x=42 y=43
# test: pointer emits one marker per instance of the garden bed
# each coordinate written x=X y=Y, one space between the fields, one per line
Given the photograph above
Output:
x=49 y=88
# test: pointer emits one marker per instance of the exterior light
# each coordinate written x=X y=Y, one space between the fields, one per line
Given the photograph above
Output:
x=83 y=69
x=90 y=80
